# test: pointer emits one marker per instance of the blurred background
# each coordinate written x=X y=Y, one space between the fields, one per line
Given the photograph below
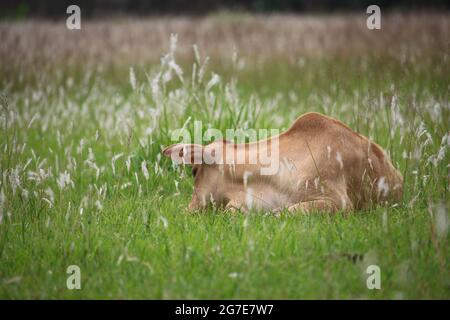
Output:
x=273 y=48
x=53 y=8
x=122 y=32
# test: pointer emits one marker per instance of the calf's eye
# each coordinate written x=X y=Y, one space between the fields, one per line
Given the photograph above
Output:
x=194 y=171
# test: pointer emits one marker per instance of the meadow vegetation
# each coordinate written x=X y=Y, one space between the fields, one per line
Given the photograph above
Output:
x=85 y=114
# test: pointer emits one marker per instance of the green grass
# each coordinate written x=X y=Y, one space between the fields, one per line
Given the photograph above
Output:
x=133 y=238
x=224 y=256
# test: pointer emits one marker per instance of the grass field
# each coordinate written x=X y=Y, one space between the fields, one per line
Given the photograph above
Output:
x=85 y=115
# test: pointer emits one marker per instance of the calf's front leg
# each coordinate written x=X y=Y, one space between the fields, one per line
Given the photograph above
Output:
x=235 y=206
x=321 y=205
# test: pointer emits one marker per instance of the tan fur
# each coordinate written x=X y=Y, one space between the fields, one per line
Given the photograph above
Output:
x=311 y=175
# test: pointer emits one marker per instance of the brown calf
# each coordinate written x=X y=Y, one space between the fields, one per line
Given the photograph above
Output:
x=321 y=164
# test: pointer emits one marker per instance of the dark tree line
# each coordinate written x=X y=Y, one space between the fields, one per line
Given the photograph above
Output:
x=56 y=8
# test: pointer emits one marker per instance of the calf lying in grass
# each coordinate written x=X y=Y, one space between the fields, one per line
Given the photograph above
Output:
x=320 y=164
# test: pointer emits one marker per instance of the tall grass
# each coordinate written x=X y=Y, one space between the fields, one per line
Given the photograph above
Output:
x=83 y=180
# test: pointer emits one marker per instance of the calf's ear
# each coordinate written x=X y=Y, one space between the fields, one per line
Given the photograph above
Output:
x=184 y=153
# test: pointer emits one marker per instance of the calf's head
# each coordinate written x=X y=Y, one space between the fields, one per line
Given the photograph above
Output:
x=207 y=170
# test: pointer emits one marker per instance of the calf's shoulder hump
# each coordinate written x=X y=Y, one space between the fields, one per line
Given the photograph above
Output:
x=314 y=121
x=318 y=123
